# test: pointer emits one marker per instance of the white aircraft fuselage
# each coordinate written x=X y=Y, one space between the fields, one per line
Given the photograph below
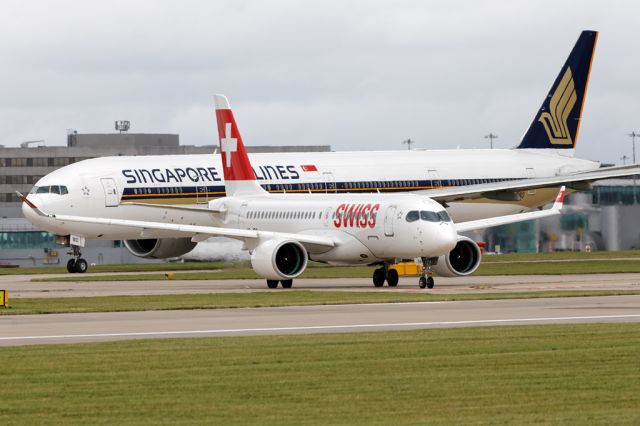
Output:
x=107 y=187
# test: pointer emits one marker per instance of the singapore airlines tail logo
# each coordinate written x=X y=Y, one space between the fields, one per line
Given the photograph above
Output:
x=560 y=105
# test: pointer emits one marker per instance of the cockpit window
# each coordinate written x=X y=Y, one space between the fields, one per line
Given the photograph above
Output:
x=429 y=216
x=444 y=216
x=50 y=189
x=413 y=215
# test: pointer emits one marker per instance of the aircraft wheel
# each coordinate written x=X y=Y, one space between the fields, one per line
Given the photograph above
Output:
x=378 y=277
x=392 y=277
x=81 y=266
x=422 y=282
x=71 y=266
x=272 y=283
x=430 y=282
x=286 y=283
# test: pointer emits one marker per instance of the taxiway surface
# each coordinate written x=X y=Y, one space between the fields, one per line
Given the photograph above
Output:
x=75 y=328
x=21 y=285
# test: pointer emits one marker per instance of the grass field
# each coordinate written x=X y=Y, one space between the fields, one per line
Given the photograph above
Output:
x=488 y=268
x=492 y=265
x=568 y=374
x=26 y=306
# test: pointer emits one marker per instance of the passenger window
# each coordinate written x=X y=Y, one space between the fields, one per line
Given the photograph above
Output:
x=412 y=216
x=429 y=216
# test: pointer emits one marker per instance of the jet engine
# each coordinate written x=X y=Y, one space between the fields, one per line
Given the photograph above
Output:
x=163 y=248
x=279 y=259
x=463 y=260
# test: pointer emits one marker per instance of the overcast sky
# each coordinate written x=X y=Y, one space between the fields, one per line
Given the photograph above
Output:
x=358 y=75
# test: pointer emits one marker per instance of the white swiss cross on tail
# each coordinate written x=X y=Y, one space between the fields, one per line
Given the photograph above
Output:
x=238 y=174
x=228 y=144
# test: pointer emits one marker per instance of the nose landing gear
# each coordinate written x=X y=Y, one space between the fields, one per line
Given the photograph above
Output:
x=426 y=280
x=77 y=264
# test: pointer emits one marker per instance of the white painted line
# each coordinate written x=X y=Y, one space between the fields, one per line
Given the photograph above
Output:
x=317 y=327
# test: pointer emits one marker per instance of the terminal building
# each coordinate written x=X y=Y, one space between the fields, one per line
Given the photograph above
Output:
x=20 y=168
x=603 y=218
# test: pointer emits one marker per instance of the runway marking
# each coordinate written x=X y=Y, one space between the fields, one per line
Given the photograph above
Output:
x=316 y=327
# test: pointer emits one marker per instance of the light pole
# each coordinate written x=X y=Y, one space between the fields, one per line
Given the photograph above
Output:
x=491 y=137
x=633 y=136
x=408 y=142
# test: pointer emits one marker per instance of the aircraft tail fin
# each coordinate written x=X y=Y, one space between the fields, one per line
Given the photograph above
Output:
x=238 y=174
x=557 y=123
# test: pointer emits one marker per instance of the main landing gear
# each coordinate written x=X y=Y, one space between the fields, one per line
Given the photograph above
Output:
x=274 y=283
x=390 y=275
x=77 y=263
x=387 y=274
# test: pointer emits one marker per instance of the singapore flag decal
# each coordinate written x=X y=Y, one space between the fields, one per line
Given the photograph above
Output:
x=309 y=168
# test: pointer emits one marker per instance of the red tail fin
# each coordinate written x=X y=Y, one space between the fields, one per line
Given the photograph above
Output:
x=235 y=162
x=238 y=173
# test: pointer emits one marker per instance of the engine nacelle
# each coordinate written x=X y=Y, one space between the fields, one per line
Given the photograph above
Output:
x=279 y=259
x=162 y=248
x=463 y=260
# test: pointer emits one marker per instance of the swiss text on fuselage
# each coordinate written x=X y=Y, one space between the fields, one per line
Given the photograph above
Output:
x=356 y=215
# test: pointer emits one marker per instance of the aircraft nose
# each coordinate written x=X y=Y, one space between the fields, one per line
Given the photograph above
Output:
x=448 y=237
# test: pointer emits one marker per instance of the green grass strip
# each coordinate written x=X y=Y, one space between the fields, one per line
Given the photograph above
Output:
x=161 y=267
x=20 y=306
x=553 y=374
x=365 y=272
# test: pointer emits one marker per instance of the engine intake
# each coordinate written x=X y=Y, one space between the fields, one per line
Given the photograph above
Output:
x=163 y=248
x=279 y=259
x=463 y=260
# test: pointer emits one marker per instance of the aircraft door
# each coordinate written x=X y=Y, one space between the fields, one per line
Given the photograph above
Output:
x=202 y=195
x=388 y=221
x=242 y=215
x=329 y=182
x=531 y=173
x=435 y=179
x=111 y=198
x=327 y=216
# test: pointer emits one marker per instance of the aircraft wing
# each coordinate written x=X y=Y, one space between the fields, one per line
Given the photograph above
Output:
x=197 y=233
x=472 y=225
x=509 y=190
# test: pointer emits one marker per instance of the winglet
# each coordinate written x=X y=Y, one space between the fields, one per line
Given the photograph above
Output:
x=30 y=204
x=557 y=205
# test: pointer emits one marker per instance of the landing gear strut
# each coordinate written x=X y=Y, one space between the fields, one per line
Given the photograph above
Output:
x=426 y=280
x=284 y=283
x=387 y=274
x=77 y=264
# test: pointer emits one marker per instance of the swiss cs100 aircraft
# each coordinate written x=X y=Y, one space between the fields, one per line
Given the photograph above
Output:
x=470 y=184
x=284 y=231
